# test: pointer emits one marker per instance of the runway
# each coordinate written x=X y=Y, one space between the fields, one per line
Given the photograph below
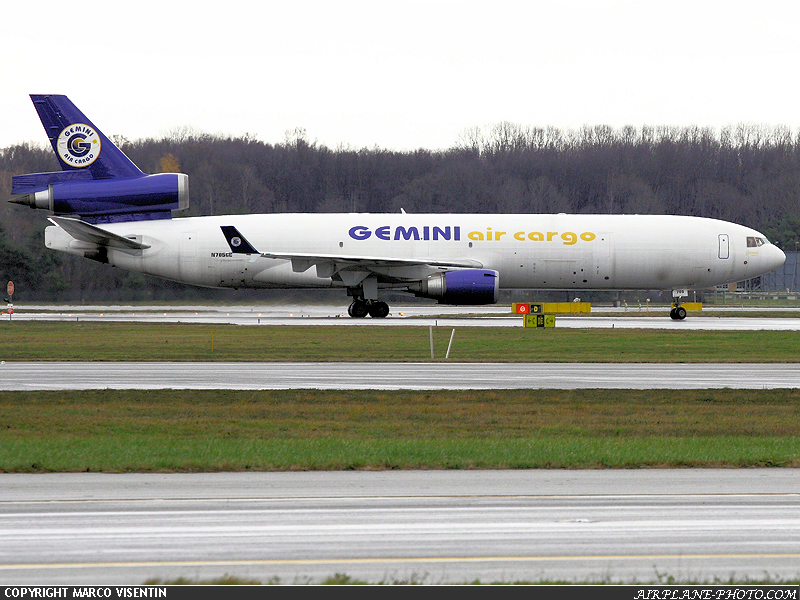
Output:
x=19 y=376
x=416 y=315
x=400 y=527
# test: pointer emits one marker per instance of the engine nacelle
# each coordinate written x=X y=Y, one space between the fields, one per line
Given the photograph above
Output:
x=465 y=287
x=105 y=200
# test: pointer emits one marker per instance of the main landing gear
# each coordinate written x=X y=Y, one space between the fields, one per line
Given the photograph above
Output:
x=360 y=308
x=365 y=300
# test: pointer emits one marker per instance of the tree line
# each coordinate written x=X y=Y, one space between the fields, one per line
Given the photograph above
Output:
x=747 y=174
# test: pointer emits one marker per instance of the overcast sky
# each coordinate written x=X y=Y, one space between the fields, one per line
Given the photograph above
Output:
x=398 y=75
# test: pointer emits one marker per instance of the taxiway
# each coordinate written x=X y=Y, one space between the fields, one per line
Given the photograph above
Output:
x=420 y=315
x=43 y=375
x=410 y=526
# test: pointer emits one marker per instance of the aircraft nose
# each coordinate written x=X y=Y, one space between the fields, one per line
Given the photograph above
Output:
x=774 y=258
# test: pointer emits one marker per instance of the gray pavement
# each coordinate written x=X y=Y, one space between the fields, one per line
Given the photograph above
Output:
x=18 y=376
x=425 y=526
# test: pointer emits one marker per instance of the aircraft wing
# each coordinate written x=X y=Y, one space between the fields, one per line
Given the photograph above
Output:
x=302 y=261
x=369 y=261
x=81 y=230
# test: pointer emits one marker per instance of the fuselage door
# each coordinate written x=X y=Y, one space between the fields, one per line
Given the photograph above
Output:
x=188 y=260
x=724 y=246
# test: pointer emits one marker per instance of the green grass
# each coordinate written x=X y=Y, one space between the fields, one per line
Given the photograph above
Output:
x=31 y=340
x=154 y=454
x=173 y=430
x=169 y=430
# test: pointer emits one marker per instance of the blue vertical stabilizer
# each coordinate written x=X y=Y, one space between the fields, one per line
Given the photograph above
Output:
x=78 y=144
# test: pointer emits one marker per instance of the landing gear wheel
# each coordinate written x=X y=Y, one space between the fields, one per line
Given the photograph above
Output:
x=678 y=313
x=377 y=309
x=358 y=309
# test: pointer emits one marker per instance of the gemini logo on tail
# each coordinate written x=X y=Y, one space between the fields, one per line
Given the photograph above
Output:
x=78 y=145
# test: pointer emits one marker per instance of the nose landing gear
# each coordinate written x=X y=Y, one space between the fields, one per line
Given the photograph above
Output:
x=678 y=313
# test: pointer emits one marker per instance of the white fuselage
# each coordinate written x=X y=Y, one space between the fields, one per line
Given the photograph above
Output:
x=529 y=251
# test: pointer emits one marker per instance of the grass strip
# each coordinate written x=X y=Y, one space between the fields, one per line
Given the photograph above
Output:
x=177 y=430
x=34 y=340
x=154 y=454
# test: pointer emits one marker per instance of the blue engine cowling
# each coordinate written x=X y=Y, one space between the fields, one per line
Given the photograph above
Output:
x=104 y=200
x=466 y=287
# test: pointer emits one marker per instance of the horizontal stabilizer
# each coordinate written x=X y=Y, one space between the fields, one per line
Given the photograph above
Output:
x=37 y=182
x=81 y=230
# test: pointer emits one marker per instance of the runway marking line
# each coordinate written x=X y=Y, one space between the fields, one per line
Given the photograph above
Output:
x=325 y=561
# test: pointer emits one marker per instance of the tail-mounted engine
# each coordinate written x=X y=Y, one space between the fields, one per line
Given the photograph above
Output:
x=75 y=193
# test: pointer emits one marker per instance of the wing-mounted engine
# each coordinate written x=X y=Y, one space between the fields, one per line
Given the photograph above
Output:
x=466 y=287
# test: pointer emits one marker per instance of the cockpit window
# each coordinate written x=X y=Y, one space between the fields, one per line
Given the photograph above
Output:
x=755 y=242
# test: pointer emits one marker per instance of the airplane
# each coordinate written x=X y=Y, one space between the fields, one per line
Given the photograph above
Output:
x=104 y=208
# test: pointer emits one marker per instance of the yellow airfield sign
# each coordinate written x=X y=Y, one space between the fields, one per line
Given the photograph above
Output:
x=539 y=320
